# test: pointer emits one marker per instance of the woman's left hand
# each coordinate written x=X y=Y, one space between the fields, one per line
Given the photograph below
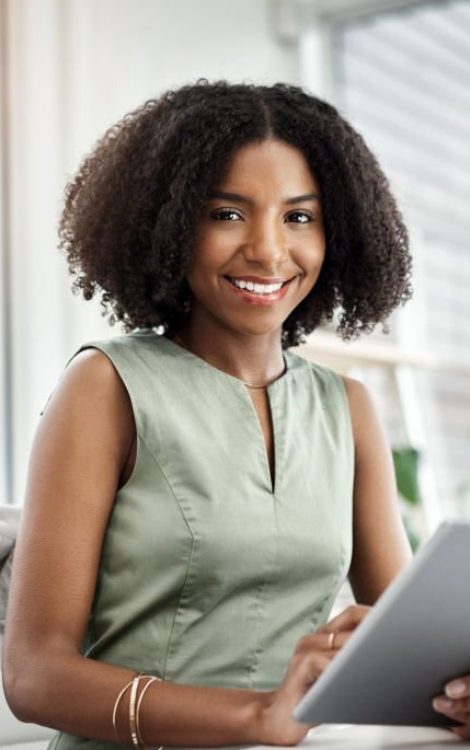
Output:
x=455 y=703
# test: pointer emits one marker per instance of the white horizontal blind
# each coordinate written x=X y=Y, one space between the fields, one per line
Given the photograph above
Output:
x=403 y=80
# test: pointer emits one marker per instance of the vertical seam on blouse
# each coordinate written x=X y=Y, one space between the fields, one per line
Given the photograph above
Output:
x=188 y=567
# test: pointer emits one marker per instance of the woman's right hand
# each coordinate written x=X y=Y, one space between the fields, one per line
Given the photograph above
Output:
x=311 y=657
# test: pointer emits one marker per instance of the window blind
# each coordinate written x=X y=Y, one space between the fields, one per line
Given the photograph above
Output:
x=403 y=80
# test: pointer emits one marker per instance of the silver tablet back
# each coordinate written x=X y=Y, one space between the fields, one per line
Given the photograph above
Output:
x=416 y=638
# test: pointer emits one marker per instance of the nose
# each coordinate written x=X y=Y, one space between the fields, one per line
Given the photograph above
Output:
x=266 y=244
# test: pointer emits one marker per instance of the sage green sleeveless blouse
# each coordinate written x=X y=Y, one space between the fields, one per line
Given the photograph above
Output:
x=209 y=575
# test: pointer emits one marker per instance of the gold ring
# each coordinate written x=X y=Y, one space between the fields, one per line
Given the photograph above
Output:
x=331 y=640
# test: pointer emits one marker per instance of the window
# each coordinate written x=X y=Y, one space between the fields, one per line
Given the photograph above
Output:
x=403 y=79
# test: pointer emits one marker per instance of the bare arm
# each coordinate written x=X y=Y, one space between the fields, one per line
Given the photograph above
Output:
x=381 y=548
x=77 y=459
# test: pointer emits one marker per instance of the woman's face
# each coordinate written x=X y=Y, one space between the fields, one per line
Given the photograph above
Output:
x=260 y=245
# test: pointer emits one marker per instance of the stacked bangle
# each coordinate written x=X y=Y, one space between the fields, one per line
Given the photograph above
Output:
x=132 y=699
x=115 y=709
x=140 y=741
x=134 y=711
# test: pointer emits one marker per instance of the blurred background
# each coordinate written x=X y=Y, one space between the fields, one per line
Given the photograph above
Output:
x=399 y=70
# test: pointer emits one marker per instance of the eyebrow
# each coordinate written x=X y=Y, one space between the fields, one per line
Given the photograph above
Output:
x=243 y=199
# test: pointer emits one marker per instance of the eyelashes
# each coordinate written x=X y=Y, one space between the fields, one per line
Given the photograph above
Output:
x=225 y=214
x=305 y=217
x=231 y=214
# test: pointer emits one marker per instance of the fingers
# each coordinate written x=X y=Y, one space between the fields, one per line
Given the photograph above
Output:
x=322 y=639
x=452 y=707
x=311 y=666
x=455 y=703
x=333 y=635
x=458 y=688
x=349 y=618
x=304 y=668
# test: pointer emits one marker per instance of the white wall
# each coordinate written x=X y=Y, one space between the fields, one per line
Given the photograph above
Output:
x=75 y=66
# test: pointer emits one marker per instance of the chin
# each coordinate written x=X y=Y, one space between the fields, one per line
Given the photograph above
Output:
x=257 y=330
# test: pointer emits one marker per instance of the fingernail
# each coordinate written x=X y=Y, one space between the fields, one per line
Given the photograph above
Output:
x=454 y=689
x=441 y=704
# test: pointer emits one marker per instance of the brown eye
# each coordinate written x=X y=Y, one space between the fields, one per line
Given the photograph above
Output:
x=225 y=214
x=299 y=217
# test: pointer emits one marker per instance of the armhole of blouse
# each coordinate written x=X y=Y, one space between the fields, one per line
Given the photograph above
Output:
x=119 y=368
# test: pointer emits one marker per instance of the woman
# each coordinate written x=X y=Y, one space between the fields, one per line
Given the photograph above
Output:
x=196 y=492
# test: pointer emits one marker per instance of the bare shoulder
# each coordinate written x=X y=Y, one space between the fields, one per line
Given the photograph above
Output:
x=90 y=369
x=91 y=392
x=84 y=435
x=361 y=403
x=370 y=439
x=357 y=393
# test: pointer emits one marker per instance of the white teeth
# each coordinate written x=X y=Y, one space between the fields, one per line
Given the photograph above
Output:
x=257 y=288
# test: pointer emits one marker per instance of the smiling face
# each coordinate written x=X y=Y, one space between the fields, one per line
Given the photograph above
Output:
x=260 y=244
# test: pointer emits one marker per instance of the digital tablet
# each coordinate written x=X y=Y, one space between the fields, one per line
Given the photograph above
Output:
x=415 y=639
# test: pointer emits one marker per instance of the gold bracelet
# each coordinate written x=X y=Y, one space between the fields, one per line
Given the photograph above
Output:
x=132 y=699
x=116 y=704
x=141 y=697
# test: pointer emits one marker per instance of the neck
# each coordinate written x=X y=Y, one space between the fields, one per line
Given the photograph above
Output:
x=252 y=358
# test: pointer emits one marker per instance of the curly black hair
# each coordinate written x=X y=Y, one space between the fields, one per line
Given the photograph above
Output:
x=128 y=225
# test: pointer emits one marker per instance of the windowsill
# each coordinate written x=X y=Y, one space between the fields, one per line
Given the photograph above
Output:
x=328 y=349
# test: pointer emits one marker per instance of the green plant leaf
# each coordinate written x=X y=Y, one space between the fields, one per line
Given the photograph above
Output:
x=406 y=461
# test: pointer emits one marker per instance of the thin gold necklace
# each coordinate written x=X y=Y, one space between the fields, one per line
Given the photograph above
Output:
x=248 y=385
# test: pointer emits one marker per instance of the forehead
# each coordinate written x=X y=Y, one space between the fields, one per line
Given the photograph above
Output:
x=270 y=163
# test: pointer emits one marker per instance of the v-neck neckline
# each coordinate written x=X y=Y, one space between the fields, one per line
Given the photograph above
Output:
x=271 y=479
x=202 y=362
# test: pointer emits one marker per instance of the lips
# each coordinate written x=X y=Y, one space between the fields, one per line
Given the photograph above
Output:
x=260 y=299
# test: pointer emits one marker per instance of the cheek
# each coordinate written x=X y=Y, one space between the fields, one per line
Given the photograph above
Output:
x=204 y=272
x=311 y=257
x=213 y=250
